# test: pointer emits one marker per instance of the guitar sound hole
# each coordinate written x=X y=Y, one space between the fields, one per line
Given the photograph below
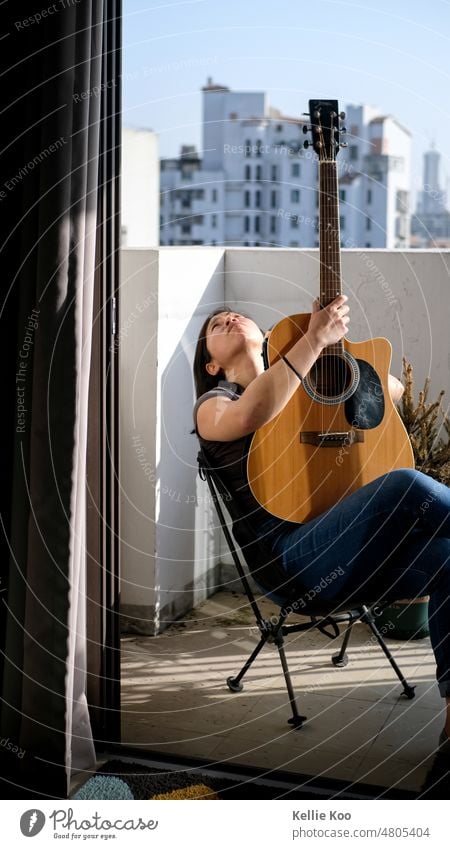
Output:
x=330 y=376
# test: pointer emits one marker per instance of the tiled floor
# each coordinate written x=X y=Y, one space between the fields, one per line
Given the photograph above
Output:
x=359 y=728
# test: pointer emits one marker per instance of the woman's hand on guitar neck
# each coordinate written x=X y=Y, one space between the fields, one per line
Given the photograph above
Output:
x=328 y=325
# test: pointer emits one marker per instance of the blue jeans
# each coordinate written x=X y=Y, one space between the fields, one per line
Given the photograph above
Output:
x=391 y=540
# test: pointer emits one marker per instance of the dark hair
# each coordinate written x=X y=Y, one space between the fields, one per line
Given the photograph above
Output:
x=203 y=380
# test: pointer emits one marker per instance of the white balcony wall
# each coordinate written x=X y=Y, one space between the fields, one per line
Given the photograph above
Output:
x=169 y=554
x=170 y=547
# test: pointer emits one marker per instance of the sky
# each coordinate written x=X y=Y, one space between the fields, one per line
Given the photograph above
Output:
x=392 y=55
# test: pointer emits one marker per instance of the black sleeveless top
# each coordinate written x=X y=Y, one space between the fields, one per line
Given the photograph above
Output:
x=231 y=459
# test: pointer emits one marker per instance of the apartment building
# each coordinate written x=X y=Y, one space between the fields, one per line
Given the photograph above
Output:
x=254 y=184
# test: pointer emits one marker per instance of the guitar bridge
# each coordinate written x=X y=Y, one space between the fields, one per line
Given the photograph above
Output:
x=332 y=439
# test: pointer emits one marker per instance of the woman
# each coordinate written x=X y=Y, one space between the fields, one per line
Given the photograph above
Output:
x=391 y=536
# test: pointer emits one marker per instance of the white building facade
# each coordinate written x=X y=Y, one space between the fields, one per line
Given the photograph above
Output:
x=256 y=185
x=140 y=188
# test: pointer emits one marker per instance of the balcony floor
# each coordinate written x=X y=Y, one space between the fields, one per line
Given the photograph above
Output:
x=359 y=728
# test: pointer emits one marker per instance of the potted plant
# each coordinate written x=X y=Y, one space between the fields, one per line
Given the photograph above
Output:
x=408 y=618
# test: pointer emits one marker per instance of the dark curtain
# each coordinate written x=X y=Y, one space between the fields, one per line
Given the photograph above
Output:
x=51 y=90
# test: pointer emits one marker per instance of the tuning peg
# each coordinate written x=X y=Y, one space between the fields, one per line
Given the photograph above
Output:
x=343 y=144
x=306 y=129
x=307 y=144
x=342 y=115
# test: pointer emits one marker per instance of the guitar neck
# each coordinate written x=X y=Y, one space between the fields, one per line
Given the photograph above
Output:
x=330 y=255
x=329 y=239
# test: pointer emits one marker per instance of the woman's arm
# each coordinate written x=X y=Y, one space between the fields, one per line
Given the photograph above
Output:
x=268 y=394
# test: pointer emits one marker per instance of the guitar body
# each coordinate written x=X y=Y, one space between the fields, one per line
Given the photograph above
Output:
x=318 y=451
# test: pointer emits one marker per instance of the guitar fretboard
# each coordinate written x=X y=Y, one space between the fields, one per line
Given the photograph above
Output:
x=329 y=241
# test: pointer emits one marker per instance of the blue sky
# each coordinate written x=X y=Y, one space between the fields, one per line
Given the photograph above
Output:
x=394 y=55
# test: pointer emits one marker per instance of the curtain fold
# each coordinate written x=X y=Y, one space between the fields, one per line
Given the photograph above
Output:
x=52 y=75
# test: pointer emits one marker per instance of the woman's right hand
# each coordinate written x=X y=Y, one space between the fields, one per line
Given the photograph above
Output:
x=328 y=325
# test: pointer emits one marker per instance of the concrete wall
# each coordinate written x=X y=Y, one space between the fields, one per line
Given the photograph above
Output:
x=402 y=295
x=170 y=546
x=137 y=341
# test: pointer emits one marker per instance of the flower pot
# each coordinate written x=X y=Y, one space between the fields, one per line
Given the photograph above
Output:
x=406 y=619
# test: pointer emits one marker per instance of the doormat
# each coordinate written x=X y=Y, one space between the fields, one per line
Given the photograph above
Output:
x=129 y=779
x=118 y=779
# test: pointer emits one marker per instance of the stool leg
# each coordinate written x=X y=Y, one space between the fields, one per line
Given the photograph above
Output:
x=408 y=689
x=296 y=720
x=234 y=682
x=341 y=658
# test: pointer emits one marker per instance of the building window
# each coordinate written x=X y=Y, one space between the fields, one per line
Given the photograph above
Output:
x=293 y=244
x=273 y=224
x=294 y=222
x=369 y=195
x=258 y=172
x=248 y=147
x=214 y=194
x=353 y=152
x=213 y=220
x=342 y=222
x=247 y=224
x=273 y=199
x=248 y=172
x=295 y=170
x=368 y=244
x=368 y=223
x=295 y=196
x=273 y=173
x=279 y=128
x=256 y=244
x=185 y=228
x=213 y=242
x=258 y=199
x=245 y=244
x=342 y=195
x=258 y=147
x=247 y=198
x=257 y=223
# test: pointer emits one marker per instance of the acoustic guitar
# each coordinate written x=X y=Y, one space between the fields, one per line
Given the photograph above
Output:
x=340 y=430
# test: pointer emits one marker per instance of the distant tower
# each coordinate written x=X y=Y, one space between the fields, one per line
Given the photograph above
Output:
x=430 y=226
x=432 y=197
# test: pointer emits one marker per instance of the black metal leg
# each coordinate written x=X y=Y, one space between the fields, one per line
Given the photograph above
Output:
x=296 y=720
x=234 y=682
x=341 y=658
x=408 y=689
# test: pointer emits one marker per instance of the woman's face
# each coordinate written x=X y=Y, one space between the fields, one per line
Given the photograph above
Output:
x=229 y=334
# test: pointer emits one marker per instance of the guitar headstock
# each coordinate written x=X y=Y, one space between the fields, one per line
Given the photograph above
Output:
x=325 y=128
